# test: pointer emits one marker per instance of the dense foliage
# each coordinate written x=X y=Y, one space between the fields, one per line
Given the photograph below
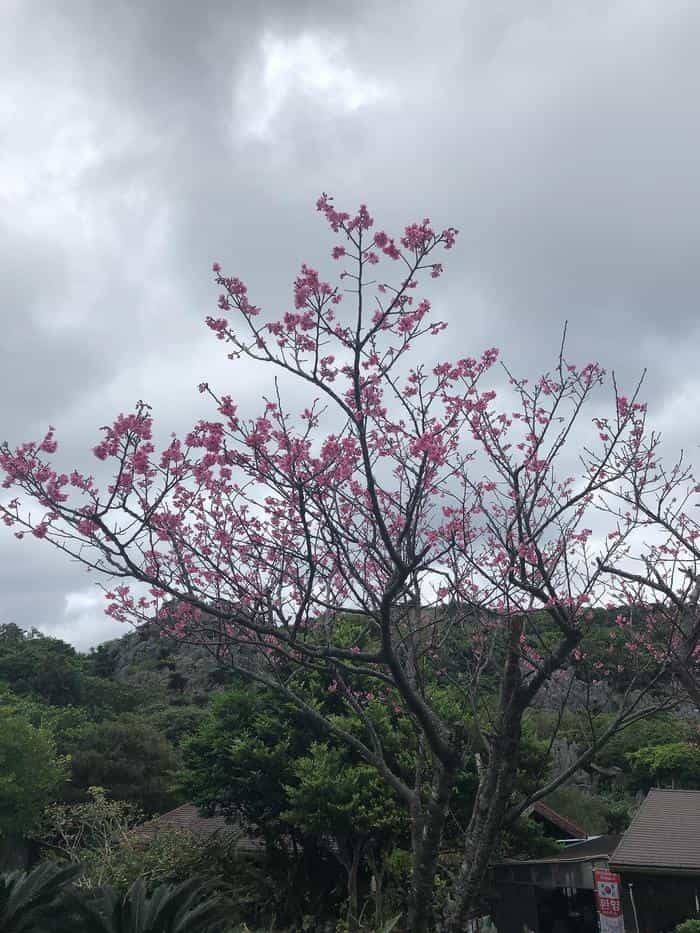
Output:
x=45 y=900
x=31 y=773
x=153 y=722
x=68 y=723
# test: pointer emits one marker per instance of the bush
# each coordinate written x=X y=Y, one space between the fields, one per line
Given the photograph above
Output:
x=272 y=888
x=170 y=856
x=104 y=838
x=37 y=901
x=165 y=909
x=688 y=926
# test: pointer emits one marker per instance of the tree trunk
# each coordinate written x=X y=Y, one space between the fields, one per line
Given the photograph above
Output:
x=353 y=870
x=377 y=868
x=426 y=837
x=483 y=832
x=493 y=795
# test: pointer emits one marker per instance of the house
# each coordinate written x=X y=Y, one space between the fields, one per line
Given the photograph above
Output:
x=189 y=819
x=555 y=825
x=658 y=860
x=554 y=894
x=653 y=870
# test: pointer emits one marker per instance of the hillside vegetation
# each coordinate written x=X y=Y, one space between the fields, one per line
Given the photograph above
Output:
x=94 y=744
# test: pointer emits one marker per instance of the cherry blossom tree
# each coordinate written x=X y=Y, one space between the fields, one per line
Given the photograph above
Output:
x=407 y=493
x=660 y=586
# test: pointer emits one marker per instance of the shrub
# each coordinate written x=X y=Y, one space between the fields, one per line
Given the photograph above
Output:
x=34 y=902
x=688 y=926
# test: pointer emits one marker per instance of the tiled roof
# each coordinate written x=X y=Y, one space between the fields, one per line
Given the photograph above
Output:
x=187 y=818
x=665 y=834
x=572 y=830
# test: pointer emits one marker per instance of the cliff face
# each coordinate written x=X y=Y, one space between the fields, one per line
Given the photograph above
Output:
x=146 y=659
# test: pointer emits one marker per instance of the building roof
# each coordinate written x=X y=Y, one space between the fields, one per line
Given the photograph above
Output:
x=593 y=848
x=664 y=834
x=598 y=847
x=188 y=818
x=567 y=826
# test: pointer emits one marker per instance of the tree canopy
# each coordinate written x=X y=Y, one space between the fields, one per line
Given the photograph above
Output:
x=31 y=772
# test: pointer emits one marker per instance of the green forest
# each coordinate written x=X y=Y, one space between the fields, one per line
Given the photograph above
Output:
x=93 y=746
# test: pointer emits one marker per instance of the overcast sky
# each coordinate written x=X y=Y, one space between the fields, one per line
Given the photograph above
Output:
x=139 y=141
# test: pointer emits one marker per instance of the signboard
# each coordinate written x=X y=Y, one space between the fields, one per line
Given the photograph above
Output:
x=608 y=898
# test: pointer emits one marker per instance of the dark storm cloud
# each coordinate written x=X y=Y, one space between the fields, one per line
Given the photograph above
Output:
x=140 y=141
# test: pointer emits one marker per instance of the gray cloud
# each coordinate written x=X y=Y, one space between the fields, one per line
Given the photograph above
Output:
x=138 y=142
